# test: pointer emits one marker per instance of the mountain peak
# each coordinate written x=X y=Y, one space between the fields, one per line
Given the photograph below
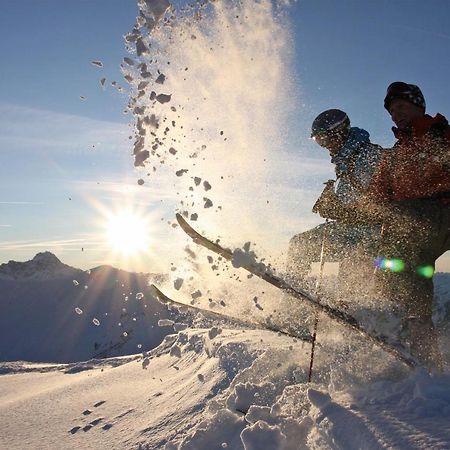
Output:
x=46 y=258
x=44 y=265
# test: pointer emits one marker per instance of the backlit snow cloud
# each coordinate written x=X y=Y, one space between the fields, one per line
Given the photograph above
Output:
x=211 y=92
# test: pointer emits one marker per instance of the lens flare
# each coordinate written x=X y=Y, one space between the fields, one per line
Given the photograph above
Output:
x=390 y=264
x=426 y=271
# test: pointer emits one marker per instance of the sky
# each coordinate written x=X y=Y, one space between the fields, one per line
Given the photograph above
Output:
x=65 y=155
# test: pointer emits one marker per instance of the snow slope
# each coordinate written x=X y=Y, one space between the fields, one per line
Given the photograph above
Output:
x=212 y=389
x=209 y=387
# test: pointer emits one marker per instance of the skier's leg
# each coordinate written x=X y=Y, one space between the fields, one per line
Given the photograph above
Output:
x=418 y=241
x=304 y=249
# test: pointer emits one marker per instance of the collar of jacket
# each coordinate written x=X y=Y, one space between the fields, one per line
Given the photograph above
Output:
x=420 y=126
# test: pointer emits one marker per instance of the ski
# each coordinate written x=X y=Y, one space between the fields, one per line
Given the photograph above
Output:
x=337 y=315
x=163 y=298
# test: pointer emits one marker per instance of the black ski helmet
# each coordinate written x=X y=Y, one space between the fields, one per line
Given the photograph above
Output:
x=330 y=121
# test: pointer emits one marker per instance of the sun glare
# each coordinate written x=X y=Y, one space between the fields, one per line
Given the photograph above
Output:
x=128 y=233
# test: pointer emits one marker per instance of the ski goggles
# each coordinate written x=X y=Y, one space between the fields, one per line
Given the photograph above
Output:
x=326 y=139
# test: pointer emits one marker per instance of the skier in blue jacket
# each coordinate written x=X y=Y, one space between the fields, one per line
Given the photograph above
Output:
x=355 y=159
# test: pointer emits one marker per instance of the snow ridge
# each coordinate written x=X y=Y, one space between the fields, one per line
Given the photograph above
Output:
x=44 y=266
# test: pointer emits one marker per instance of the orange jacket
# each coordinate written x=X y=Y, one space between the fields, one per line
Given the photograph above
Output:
x=418 y=166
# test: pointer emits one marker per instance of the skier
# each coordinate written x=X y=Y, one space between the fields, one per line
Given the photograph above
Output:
x=355 y=159
x=410 y=193
x=409 y=197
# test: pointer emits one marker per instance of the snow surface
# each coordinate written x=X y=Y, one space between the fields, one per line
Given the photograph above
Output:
x=240 y=389
x=208 y=385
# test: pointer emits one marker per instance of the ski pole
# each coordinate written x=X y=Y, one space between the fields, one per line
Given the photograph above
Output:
x=316 y=316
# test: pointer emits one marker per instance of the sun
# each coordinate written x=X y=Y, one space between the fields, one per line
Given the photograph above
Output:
x=128 y=233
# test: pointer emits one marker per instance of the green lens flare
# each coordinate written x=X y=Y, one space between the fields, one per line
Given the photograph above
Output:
x=426 y=271
x=396 y=265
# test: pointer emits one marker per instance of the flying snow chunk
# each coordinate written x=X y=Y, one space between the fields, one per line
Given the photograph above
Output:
x=175 y=351
x=196 y=294
x=165 y=323
x=201 y=377
x=141 y=48
x=140 y=182
x=139 y=111
x=180 y=172
x=178 y=283
x=139 y=296
x=163 y=98
x=208 y=202
x=103 y=81
x=161 y=78
x=180 y=327
x=96 y=322
x=75 y=283
x=97 y=63
x=206 y=185
x=213 y=332
x=242 y=258
x=129 y=61
x=156 y=8
x=78 y=311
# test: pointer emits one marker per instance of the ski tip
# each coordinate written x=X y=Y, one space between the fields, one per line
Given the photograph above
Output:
x=160 y=296
x=180 y=218
x=185 y=225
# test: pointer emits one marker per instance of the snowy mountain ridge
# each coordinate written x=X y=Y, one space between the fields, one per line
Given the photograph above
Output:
x=44 y=266
x=52 y=312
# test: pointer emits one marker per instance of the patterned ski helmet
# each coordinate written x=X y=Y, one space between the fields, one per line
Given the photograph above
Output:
x=329 y=122
x=409 y=92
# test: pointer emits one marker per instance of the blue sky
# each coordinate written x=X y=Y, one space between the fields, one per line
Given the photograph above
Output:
x=60 y=156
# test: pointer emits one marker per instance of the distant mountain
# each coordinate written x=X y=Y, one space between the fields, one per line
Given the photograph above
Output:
x=51 y=312
x=44 y=266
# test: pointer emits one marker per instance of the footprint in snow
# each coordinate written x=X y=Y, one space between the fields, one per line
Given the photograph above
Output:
x=92 y=424
x=96 y=421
